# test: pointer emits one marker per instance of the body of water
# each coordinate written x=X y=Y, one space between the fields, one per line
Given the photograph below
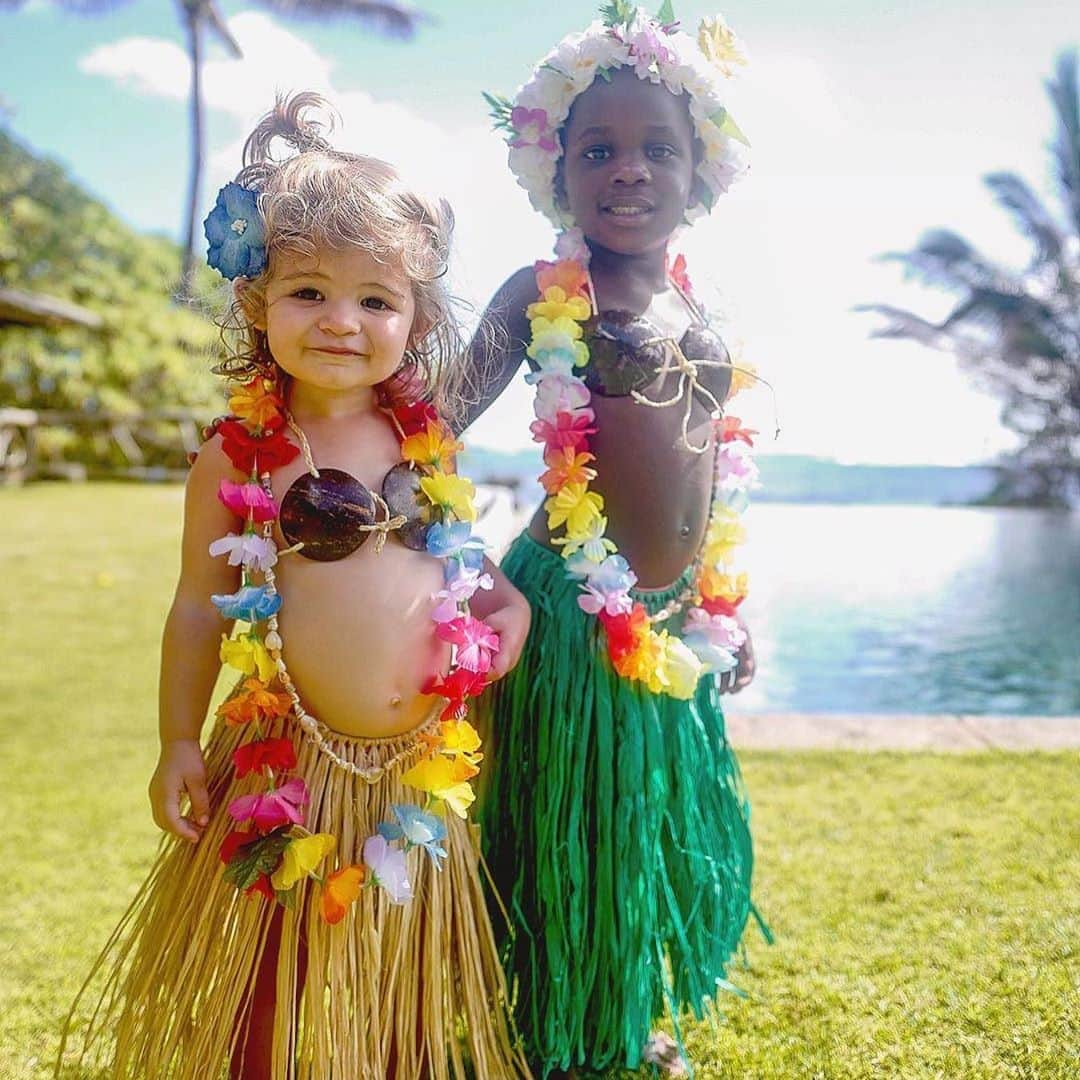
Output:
x=914 y=609
x=904 y=608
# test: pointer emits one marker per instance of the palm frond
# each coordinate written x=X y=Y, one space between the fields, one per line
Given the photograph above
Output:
x=393 y=19
x=1064 y=90
x=944 y=258
x=214 y=21
x=903 y=324
x=1029 y=213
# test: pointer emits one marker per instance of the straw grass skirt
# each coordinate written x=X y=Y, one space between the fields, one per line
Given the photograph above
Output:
x=411 y=992
x=617 y=829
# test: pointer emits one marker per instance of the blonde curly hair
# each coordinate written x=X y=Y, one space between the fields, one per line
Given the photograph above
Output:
x=317 y=198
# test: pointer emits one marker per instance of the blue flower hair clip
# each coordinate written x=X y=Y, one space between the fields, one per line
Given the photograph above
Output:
x=234 y=230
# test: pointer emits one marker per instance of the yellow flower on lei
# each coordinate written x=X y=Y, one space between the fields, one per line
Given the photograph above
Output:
x=557 y=305
x=575 y=506
x=445 y=778
x=643 y=663
x=451 y=492
x=720 y=45
x=725 y=533
x=743 y=373
x=434 y=446
x=248 y=655
x=677 y=670
x=729 y=587
x=300 y=858
x=591 y=542
x=460 y=739
x=552 y=335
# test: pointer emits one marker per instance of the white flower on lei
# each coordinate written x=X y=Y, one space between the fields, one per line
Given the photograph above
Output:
x=571 y=245
x=249 y=550
x=558 y=393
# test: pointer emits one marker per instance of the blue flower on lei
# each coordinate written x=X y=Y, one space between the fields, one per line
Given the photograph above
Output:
x=234 y=230
x=252 y=604
x=456 y=539
x=417 y=829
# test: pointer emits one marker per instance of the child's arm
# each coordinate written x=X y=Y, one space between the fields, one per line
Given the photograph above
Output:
x=189 y=649
x=498 y=347
x=507 y=612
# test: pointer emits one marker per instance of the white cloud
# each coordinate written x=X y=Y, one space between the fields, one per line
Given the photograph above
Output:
x=792 y=246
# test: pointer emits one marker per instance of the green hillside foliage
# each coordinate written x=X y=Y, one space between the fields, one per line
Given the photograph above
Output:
x=152 y=353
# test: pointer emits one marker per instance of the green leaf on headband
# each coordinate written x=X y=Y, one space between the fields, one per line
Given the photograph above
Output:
x=707 y=198
x=604 y=72
x=666 y=15
x=722 y=119
x=618 y=13
x=500 y=109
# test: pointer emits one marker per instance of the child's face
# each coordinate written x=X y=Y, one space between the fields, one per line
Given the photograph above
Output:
x=628 y=167
x=338 y=322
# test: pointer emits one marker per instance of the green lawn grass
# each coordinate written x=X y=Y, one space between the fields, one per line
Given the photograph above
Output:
x=926 y=907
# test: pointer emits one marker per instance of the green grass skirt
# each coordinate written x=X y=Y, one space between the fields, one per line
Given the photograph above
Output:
x=616 y=827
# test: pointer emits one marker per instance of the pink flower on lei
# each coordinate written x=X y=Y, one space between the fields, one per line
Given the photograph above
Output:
x=249 y=498
x=569 y=429
x=476 y=641
x=533 y=129
x=735 y=468
x=721 y=630
x=282 y=806
x=461 y=582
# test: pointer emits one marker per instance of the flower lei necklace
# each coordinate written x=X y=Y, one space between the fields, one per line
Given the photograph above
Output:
x=269 y=851
x=564 y=421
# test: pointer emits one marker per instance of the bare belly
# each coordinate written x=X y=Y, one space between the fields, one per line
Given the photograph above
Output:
x=358 y=637
x=656 y=493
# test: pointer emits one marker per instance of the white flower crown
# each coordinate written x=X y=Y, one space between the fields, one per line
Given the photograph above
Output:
x=656 y=50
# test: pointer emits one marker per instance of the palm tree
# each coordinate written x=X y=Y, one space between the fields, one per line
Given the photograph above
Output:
x=1018 y=330
x=202 y=18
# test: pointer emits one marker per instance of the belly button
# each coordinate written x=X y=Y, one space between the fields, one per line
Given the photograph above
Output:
x=395 y=701
x=684 y=532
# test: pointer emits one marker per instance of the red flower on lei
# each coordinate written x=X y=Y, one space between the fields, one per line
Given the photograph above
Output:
x=269 y=451
x=278 y=754
x=457 y=687
x=569 y=429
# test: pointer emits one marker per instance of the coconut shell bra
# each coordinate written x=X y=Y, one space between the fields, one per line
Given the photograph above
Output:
x=327 y=515
x=627 y=352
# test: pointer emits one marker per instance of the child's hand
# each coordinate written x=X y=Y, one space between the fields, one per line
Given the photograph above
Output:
x=511 y=623
x=180 y=769
x=743 y=675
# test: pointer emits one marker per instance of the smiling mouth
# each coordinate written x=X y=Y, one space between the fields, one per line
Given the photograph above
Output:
x=627 y=210
x=344 y=353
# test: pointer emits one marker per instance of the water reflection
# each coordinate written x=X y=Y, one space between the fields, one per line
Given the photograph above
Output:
x=914 y=609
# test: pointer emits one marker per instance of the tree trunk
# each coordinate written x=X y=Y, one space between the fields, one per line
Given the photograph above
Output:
x=194 y=33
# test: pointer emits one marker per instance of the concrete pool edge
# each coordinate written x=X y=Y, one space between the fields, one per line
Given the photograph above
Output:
x=881 y=731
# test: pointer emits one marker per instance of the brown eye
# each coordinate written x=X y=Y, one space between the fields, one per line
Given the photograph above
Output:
x=597 y=153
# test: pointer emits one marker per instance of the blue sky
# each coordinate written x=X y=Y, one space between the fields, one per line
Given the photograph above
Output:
x=870 y=122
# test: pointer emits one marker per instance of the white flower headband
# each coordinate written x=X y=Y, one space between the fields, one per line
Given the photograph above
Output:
x=657 y=50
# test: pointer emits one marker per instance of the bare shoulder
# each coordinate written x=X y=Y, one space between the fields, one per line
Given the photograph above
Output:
x=211 y=466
